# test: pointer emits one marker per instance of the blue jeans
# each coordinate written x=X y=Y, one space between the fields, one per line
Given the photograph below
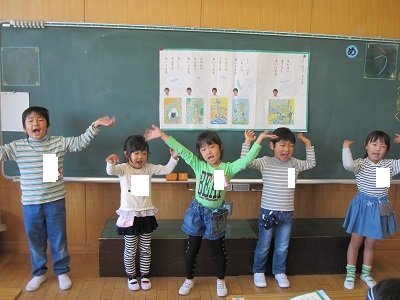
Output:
x=203 y=221
x=281 y=231
x=47 y=222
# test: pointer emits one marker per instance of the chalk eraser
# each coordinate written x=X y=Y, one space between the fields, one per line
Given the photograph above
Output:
x=183 y=176
x=171 y=177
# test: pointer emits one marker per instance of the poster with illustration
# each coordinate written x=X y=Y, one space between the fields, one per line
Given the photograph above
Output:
x=233 y=89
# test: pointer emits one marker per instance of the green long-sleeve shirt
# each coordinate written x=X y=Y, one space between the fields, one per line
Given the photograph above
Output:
x=205 y=193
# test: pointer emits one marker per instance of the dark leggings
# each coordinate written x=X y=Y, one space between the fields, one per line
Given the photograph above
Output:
x=192 y=249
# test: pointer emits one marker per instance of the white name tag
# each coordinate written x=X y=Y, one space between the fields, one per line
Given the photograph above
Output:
x=140 y=185
x=50 y=168
x=382 y=177
x=291 y=176
x=219 y=180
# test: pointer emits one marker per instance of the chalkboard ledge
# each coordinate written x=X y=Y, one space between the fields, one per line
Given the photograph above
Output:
x=192 y=180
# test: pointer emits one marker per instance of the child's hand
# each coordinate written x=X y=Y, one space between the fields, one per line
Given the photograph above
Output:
x=347 y=143
x=397 y=138
x=249 y=136
x=306 y=141
x=174 y=154
x=104 y=121
x=265 y=135
x=112 y=159
x=154 y=132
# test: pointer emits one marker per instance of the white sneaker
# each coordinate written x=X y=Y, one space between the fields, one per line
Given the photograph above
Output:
x=349 y=283
x=222 y=291
x=259 y=280
x=35 y=283
x=64 y=281
x=146 y=283
x=368 y=280
x=186 y=287
x=133 y=284
x=282 y=280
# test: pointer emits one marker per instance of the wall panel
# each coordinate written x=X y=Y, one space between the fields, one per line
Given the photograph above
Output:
x=48 y=10
x=251 y=15
x=390 y=19
x=356 y=23
x=374 y=25
x=340 y=17
x=321 y=16
x=211 y=15
x=294 y=16
x=76 y=212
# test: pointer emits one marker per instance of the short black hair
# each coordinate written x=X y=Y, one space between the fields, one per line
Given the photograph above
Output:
x=41 y=111
x=208 y=137
x=387 y=289
x=284 y=134
x=377 y=135
x=134 y=143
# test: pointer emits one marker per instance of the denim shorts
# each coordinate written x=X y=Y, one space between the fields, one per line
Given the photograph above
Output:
x=203 y=221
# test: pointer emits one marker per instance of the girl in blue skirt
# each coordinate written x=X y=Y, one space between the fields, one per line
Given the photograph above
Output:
x=370 y=216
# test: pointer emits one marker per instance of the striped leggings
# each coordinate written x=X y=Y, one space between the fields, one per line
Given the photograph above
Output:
x=131 y=245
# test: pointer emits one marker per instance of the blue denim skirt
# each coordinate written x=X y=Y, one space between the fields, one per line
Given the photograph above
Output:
x=363 y=217
x=203 y=221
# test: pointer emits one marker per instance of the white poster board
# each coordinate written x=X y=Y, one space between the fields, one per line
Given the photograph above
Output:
x=202 y=89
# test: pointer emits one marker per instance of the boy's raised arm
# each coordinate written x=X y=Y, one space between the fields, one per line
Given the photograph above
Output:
x=305 y=140
x=104 y=121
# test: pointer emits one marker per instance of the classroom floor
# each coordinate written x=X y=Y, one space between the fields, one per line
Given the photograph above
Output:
x=15 y=273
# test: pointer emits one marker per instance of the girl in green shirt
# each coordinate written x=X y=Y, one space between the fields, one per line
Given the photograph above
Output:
x=206 y=215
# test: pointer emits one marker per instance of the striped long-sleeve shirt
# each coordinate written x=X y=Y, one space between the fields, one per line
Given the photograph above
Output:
x=28 y=154
x=275 y=194
x=365 y=172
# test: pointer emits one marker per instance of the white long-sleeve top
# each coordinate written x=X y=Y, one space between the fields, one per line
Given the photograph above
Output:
x=129 y=202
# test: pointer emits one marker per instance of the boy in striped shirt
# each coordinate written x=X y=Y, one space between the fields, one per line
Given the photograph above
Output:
x=43 y=203
x=277 y=200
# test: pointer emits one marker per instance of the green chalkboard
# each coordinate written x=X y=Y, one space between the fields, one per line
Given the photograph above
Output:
x=85 y=71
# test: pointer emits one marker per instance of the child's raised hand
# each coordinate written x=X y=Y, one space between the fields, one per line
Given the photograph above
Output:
x=265 y=135
x=305 y=140
x=104 y=121
x=397 y=138
x=112 y=159
x=153 y=133
x=174 y=154
x=347 y=143
x=249 y=136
